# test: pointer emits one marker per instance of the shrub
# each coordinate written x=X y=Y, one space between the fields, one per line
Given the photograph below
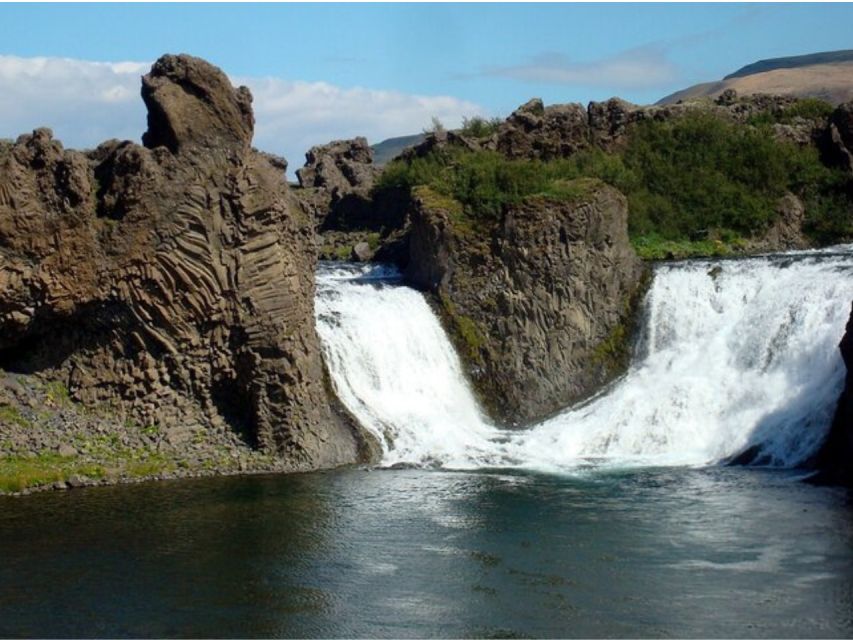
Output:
x=478 y=127
x=807 y=108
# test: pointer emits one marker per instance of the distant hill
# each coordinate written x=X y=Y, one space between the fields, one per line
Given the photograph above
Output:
x=387 y=150
x=827 y=75
x=793 y=62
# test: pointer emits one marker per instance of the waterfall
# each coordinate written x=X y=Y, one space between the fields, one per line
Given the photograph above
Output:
x=731 y=355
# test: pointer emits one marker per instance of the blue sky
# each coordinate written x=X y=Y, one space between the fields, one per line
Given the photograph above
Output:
x=320 y=71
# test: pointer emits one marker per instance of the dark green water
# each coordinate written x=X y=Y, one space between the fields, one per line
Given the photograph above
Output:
x=719 y=552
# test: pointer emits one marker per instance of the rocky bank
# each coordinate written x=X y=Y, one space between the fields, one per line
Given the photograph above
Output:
x=170 y=284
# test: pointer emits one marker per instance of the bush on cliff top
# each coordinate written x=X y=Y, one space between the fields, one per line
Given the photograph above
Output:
x=484 y=182
x=694 y=178
x=806 y=108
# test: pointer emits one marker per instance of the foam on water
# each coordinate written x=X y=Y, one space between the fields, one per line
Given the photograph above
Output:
x=731 y=355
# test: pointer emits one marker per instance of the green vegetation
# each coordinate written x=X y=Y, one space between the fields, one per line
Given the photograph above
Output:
x=464 y=329
x=696 y=185
x=654 y=247
x=477 y=186
x=57 y=392
x=373 y=240
x=436 y=126
x=477 y=127
x=18 y=472
x=612 y=350
x=11 y=415
x=22 y=472
x=807 y=108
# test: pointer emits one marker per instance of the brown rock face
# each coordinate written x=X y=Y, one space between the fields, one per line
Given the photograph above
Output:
x=540 y=303
x=340 y=167
x=173 y=281
x=786 y=234
x=335 y=183
x=192 y=104
x=536 y=131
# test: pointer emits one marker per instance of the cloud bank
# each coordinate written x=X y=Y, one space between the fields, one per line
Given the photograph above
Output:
x=644 y=68
x=87 y=102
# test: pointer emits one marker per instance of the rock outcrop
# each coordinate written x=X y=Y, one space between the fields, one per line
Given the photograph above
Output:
x=537 y=131
x=339 y=167
x=786 y=233
x=838 y=139
x=835 y=459
x=534 y=131
x=335 y=183
x=335 y=186
x=539 y=302
x=172 y=281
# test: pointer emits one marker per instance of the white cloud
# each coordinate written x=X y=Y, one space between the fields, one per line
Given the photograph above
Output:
x=644 y=68
x=88 y=102
x=83 y=102
x=297 y=115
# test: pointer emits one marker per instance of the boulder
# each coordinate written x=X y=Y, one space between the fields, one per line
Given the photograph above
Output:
x=361 y=252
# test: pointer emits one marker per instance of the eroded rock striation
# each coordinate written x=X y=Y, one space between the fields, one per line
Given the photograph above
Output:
x=540 y=302
x=172 y=281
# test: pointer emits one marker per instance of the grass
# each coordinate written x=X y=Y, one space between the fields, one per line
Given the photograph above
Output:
x=57 y=392
x=654 y=247
x=12 y=415
x=18 y=472
x=478 y=127
x=21 y=472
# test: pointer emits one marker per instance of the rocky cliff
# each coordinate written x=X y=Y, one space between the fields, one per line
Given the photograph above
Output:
x=838 y=138
x=535 y=130
x=835 y=459
x=539 y=302
x=172 y=281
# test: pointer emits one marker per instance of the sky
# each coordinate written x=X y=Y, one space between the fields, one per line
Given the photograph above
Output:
x=328 y=71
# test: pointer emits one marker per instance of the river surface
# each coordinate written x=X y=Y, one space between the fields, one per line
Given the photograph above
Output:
x=717 y=552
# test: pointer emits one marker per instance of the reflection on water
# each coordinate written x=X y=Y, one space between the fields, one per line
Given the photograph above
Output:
x=676 y=552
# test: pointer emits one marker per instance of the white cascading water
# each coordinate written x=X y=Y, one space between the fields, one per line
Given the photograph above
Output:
x=732 y=355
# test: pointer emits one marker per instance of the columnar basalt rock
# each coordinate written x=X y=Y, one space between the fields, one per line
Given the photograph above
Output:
x=173 y=280
x=540 y=303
